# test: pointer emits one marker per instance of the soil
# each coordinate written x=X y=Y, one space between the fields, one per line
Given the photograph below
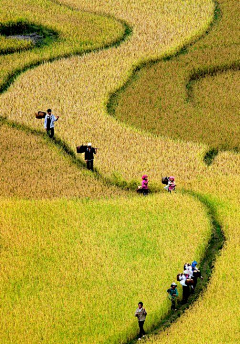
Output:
x=34 y=37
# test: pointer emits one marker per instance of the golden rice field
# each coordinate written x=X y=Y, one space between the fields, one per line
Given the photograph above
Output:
x=73 y=271
x=75 y=32
x=78 y=252
x=215 y=318
x=32 y=167
x=80 y=97
x=193 y=96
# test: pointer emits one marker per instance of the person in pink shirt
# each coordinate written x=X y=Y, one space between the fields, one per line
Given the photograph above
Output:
x=144 y=187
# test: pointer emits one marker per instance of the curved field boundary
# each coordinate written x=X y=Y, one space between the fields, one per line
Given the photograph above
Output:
x=111 y=103
x=195 y=75
x=212 y=250
x=202 y=73
x=214 y=245
x=111 y=68
x=115 y=43
x=206 y=265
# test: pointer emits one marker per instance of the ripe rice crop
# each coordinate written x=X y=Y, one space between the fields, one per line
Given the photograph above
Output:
x=80 y=97
x=74 y=271
x=53 y=250
x=31 y=167
x=190 y=97
x=215 y=317
x=77 y=32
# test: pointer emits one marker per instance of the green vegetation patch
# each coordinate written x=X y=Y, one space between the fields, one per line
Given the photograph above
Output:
x=74 y=271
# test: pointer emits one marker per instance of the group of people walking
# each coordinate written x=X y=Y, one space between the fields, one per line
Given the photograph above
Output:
x=188 y=280
x=49 y=122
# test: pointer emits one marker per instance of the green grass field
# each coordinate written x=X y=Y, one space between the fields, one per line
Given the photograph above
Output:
x=73 y=271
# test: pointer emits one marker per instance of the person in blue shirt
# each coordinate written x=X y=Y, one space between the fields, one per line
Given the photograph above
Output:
x=173 y=295
x=49 y=123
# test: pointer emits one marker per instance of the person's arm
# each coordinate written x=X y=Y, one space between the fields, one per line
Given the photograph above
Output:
x=45 y=122
x=55 y=119
x=144 y=311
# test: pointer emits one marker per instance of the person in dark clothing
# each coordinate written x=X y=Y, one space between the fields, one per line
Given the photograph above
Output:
x=141 y=315
x=89 y=156
x=173 y=295
x=196 y=274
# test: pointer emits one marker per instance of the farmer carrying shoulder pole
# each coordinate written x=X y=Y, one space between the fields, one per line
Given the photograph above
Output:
x=141 y=315
x=89 y=156
x=49 y=123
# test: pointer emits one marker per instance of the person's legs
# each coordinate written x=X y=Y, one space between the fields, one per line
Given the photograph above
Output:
x=194 y=282
x=173 y=307
x=90 y=165
x=142 y=332
x=185 y=293
x=51 y=132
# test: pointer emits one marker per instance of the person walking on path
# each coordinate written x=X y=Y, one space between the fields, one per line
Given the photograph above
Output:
x=89 y=156
x=186 y=292
x=49 y=123
x=173 y=295
x=141 y=315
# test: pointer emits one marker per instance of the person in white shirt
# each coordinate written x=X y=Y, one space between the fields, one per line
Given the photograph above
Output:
x=141 y=315
x=182 y=278
x=49 y=123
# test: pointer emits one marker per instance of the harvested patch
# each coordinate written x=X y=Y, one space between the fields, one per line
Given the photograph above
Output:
x=22 y=31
